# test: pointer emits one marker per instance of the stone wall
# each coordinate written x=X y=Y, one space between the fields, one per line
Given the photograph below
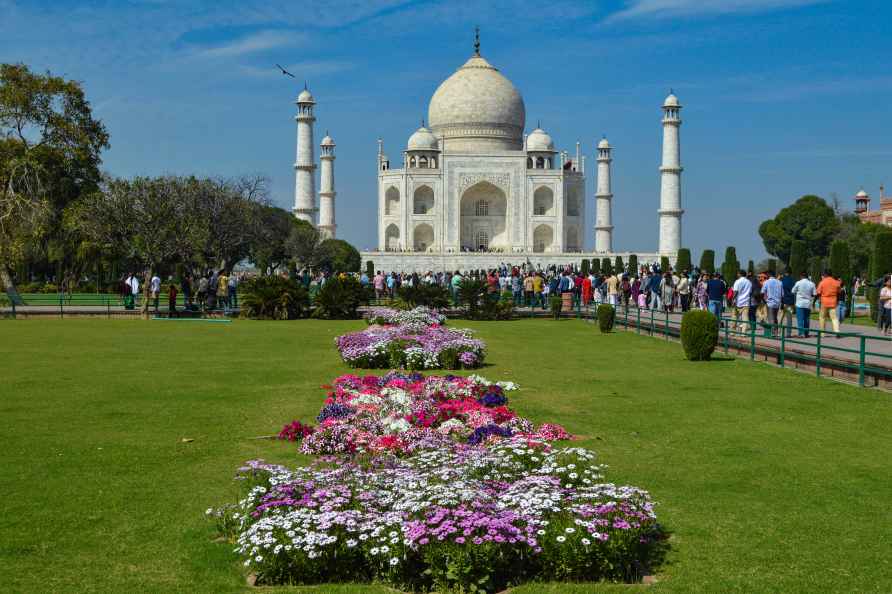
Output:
x=424 y=261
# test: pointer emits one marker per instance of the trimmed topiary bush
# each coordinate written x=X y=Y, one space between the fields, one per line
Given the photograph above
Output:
x=606 y=317
x=699 y=335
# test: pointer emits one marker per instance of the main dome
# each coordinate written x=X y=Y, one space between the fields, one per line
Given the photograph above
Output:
x=477 y=109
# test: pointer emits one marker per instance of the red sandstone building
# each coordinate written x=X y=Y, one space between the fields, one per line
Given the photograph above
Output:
x=882 y=216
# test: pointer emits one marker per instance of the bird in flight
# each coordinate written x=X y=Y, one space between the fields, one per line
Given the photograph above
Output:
x=285 y=71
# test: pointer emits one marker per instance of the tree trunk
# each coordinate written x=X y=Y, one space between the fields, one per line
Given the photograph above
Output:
x=146 y=292
x=5 y=279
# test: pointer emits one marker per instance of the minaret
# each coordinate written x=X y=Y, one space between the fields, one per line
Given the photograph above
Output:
x=305 y=165
x=670 y=183
x=603 y=198
x=327 y=192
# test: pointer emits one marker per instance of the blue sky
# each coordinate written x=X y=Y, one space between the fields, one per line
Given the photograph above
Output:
x=782 y=97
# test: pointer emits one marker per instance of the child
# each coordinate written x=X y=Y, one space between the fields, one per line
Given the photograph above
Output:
x=642 y=300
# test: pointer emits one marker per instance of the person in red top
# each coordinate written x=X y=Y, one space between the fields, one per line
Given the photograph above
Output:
x=828 y=291
x=586 y=290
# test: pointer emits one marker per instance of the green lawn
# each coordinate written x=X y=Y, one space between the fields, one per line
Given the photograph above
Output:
x=769 y=480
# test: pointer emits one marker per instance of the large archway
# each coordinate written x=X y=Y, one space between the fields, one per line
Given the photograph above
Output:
x=423 y=237
x=392 y=238
x=543 y=201
x=572 y=239
x=423 y=201
x=484 y=210
x=543 y=237
x=392 y=201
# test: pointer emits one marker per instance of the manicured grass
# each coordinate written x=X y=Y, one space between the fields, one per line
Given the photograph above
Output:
x=769 y=480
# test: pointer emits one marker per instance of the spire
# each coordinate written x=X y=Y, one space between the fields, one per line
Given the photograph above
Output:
x=476 y=41
x=539 y=124
x=305 y=85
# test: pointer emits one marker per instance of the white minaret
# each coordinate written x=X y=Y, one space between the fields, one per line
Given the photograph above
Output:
x=670 y=183
x=603 y=198
x=327 y=192
x=305 y=165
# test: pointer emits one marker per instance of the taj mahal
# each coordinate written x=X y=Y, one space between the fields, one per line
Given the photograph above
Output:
x=471 y=190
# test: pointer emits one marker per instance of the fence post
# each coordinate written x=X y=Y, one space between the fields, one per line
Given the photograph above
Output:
x=727 y=328
x=638 y=320
x=818 y=354
x=61 y=315
x=783 y=344
x=13 y=309
x=861 y=359
x=651 y=322
x=666 y=326
x=752 y=341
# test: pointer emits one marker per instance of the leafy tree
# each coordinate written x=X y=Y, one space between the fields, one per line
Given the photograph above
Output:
x=798 y=262
x=860 y=239
x=339 y=256
x=664 y=264
x=809 y=219
x=606 y=267
x=584 y=268
x=303 y=244
x=707 y=261
x=880 y=266
x=840 y=263
x=815 y=268
x=683 y=260
x=369 y=269
x=228 y=208
x=618 y=265
x=772 y=266
x=633 y=264
x=50 y=147
x=268 y=246
x=731 y=265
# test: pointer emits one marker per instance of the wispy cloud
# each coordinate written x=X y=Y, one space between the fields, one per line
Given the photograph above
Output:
x=653 y=9
x=251 y=44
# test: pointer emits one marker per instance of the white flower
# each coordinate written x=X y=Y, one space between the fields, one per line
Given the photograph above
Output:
x=569 y=530
x=586 y=541
x=374 y=551
x=394 y=560
x=351 y=543
x=561 y=538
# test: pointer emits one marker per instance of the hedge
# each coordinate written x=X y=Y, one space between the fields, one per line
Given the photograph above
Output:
x=699 y=334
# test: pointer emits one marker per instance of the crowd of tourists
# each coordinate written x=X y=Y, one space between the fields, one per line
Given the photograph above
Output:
x=211 y=291
x=764 y=298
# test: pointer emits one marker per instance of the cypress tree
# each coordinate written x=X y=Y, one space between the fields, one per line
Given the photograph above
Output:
x=840 y=264
x=880 y=266
x=750 y=267
x=815 y=268
x=584 y=269
x=707 y=261
x=633 y=265
x=664 y=264
x=606 y=267
x=619 y=266
x=798 y=260
x=369 y=268
x=730 y=265
x=596 y=266
x=683 y=260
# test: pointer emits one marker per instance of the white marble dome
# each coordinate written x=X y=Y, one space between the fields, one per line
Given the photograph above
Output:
x=477 y=109
x=603 y=144
x=305 y=97
x=422 y=140
x=539 y=140
x=671 y=101
x=861 y=194
x=327 y=141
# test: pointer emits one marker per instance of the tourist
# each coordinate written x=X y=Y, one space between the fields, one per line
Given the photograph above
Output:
x=134 y=290
x=653 y=287
x=667 y=291
x=391 y=285
x=788 y=302
x=635 y=292
x=804 y=291
x=828 y=291
x=455 y=286
x=172 y=300
x=773 y=293
x=516 y=288
x=379 y=286
x=715 y=293
x=223 y=289
x=539 y=287
x=232 y=291
x=612 y=289
x=742 y=295
x=886 y=306
x=155 y=288
x=528 y=290
x=841 y=300
x=684 y=291
x=212 y=290
x=202 y=291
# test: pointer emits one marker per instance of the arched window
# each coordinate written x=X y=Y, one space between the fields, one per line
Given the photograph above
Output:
x=412 y=162
x=540 y=163
x=529 y=162
x=482 y=240
x=481 y=209
x=543 y=201
x=392 y=201
x=422 y=162
x=573 y=205
x=423 y=202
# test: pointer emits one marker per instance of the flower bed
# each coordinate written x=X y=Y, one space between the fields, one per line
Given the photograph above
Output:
x=419 y=497
x=411 y=347
x=419 y=317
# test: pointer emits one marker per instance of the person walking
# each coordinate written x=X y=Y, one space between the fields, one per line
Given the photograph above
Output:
x=223 y=289
x=828 y=291
x=773 y=294
x=788 y=302
x=684 y=291
x=886 y=306
x=155 y=288
x=742 y=294
x=804 y=293
x=134 y=290
x=172 y=301
x=202 y=291
x=232 y=292
x=667 y=292
x=715 y=294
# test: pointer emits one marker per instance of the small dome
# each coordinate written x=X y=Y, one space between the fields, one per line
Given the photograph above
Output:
x=423 y=140
x=861 y=194
x=539 y=140
x=671 y=101
x=305 y=97
x=327 y=141
x=603 y=144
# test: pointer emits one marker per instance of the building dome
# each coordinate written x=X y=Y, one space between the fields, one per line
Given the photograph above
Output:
x=477 y=109
x=861 y=194
x=423 y=140
x=671 y=101
x=539 y=140
x=305 y=97
x=603 y=144
x=327 y=141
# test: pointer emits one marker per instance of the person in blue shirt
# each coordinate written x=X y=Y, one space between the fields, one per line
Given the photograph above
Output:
x=773 y=293
x=715 y=294
x=788 y=302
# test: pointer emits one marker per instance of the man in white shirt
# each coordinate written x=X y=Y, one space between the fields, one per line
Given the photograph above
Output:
x=804 y=290
x=743 y=290
x=134 y=290
x=156 y=289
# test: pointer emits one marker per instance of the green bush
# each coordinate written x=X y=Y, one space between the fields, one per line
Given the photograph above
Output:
x=273 y=298
x=49 y=288
x=699 y=334
x=606 y=318
x=556 y=303
x=370 y=269
x=798 y=259
x=633 y=265
x=707 y=261
x=339 y=298
x=480 y=305
x=664 y=264
x=683 y=260
x=433 y=296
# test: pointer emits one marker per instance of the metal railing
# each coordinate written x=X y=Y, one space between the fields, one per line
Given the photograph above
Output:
x=106 y=303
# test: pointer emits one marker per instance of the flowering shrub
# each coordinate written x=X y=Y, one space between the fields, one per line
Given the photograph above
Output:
x=411 y=347
x=437 y=484
x=419 y=317
x=402 y=413
x=295 y=431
